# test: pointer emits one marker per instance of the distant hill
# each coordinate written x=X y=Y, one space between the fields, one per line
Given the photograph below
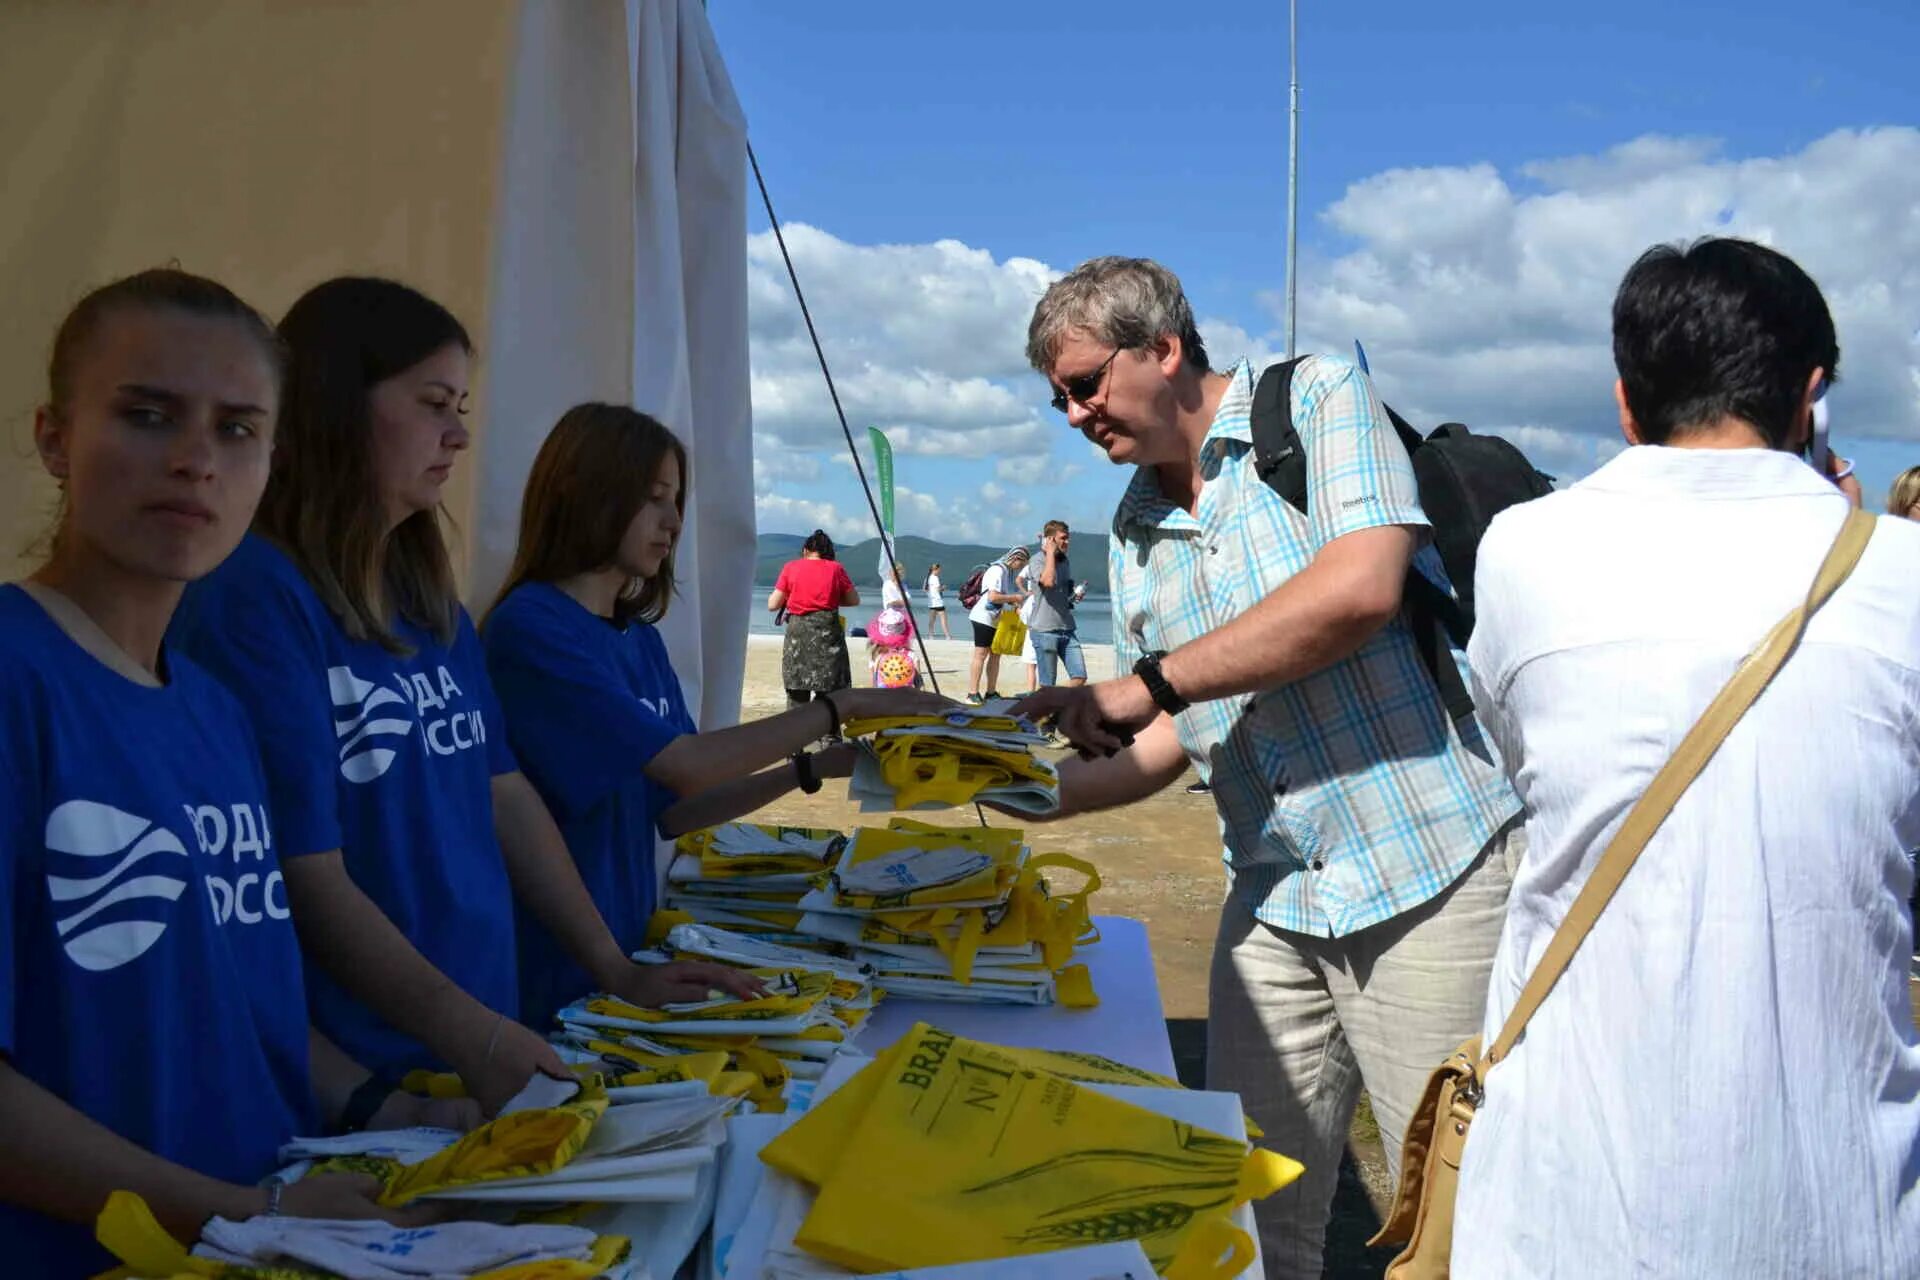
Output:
x=957 y=559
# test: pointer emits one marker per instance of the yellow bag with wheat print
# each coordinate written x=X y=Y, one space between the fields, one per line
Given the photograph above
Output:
x=986 y=1157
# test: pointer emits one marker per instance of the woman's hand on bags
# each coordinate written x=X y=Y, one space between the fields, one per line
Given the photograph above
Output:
x=685 y=981
x=348 y=1197
x=498 y=1062
x=403 y=1110
x=868 y=704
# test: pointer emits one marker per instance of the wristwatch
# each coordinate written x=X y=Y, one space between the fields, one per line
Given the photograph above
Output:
x=1164 y=697
x=803 y=772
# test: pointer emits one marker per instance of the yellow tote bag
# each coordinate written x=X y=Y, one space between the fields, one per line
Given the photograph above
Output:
x=948 y=1151
x=127 y=1228
x=1009 y=633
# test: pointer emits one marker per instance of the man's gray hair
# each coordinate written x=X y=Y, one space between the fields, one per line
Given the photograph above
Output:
x=1122 y=302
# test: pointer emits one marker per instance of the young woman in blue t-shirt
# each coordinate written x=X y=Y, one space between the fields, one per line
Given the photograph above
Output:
x=593 y=706
x=406 y=829
x=153 y=1035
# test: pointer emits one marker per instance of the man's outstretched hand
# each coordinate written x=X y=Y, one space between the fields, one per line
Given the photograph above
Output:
x=1098 y=719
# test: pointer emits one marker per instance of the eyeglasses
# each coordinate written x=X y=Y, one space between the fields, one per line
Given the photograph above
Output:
x=1084 y=388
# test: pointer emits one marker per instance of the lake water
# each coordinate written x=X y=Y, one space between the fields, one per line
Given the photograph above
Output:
x=1093 y=619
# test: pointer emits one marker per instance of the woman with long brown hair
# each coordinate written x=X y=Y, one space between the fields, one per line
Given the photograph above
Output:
x=407 y=831
x=593 y=706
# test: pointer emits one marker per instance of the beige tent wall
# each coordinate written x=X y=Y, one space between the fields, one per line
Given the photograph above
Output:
x=268 y=143
x=568 y=176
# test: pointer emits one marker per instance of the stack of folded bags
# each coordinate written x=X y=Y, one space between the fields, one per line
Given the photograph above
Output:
x=944 y=1151
x=567 y=1176
x=955 y=913
x=972 y=754
x=812 y=1005
x=748 y=877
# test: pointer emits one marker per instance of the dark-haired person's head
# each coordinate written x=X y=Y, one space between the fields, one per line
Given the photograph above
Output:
x=1718 y=334
x=818 y=545
x=607 y=491
x=376 y=388
x=162 y=394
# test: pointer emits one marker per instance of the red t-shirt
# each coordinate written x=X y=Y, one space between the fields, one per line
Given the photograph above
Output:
x=813 y=585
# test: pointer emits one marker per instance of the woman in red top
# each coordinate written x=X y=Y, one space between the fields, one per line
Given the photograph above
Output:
x=813 y=590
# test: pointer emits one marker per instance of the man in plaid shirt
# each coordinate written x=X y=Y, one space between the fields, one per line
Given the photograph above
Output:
x=1369 y=838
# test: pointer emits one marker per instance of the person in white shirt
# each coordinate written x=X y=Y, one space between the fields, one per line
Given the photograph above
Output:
x=893 y=589
x=1726 y=1080
x=999 y=587
x=936 y=604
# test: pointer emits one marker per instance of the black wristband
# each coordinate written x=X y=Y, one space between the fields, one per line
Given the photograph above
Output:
x=1163 y=694
x=833 y=715
x=803 y=770
x=364 y=1101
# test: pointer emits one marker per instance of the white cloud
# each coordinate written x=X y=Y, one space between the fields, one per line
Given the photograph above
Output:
x=1488 y=300
x=1026 y=468
x=1482 y=296
x=925 y=342
x=777 y=513
x=774 y=463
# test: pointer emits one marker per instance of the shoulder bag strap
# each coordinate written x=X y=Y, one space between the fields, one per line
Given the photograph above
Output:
x=1753 y=674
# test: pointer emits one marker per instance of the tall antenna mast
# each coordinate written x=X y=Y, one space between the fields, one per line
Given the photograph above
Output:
x=1293 y=166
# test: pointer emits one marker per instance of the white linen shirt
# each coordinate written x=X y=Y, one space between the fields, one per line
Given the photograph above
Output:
x=1726 y=1080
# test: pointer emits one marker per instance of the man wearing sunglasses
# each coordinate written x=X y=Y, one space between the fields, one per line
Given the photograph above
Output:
x=1368 y=835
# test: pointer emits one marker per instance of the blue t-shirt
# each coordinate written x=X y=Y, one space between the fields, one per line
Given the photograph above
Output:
x=149 y=973
x=389 y=759
x=588 y=706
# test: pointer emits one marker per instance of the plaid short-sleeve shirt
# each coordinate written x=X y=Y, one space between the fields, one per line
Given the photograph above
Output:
x=1349 y=796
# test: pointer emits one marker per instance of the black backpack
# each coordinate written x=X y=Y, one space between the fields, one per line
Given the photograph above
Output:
x=1464 y=479
x=974 y=587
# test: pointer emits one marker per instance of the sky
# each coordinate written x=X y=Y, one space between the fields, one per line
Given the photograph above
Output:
x=1474 y=182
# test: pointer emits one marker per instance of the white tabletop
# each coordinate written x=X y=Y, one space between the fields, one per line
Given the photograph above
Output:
x=1128 y=1026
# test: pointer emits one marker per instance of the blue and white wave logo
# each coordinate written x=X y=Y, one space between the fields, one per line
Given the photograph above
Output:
x=361 y=758
x=86 y=829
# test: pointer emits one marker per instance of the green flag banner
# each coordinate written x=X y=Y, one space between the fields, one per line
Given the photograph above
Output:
x=883 y=463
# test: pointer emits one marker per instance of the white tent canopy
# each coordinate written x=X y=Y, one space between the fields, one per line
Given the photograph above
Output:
x=567 y=177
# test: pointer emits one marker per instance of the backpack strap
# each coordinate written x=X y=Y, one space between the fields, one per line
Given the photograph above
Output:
x=1280 y=460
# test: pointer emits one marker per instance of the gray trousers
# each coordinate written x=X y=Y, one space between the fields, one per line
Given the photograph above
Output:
x=1296 y=1024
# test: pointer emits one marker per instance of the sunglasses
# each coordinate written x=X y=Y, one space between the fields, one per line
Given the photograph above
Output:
x=1084 y=388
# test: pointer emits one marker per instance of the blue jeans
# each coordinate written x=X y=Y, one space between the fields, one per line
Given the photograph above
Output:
x=1052 y=648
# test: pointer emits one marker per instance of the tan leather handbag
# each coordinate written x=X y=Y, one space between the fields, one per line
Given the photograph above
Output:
x=1422 y=1215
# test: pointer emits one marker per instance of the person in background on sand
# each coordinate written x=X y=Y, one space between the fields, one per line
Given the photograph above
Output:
x=893 y=587
x=1050 y=619
x=1904 y=498
x=812 y=590
x=999 y=587
x=594 y=708
x=936 y=604
x=1028 y=657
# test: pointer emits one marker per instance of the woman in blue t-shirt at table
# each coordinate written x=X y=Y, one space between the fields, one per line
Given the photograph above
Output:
x=593 y=706
x=404 y=825
x=153 y=1035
